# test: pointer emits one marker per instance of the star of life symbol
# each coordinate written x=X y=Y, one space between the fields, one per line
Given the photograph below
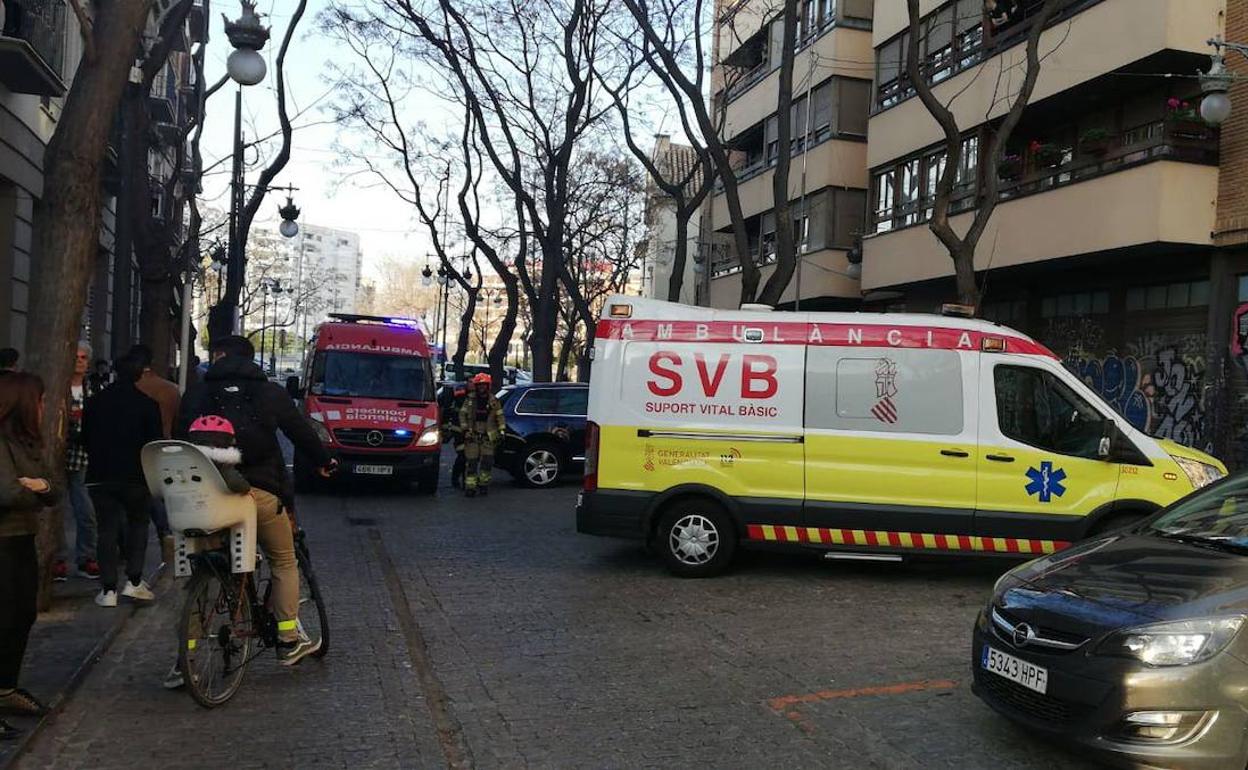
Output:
x=885 y=409
x=1046 y=482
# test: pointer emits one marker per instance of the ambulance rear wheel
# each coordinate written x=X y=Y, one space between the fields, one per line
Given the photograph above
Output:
x=696 y=538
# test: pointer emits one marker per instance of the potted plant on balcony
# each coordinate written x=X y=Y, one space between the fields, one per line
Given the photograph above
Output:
x=1046 y=153
x=1182 y=118
x=1010 y=167
x=1095 y=141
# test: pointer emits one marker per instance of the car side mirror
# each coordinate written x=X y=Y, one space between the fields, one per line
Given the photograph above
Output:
x=1109 y=441
x=292 y=387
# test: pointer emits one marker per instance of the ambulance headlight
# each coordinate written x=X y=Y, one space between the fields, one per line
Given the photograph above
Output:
x=1200 y=474
x=322 y=433
x=431 y=437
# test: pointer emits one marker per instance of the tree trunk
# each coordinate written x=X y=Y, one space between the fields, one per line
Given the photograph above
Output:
x=565 y=349
x=964 y=275
x=680 y=255
x=786 y=248
x=68 y=236
x=465 y=332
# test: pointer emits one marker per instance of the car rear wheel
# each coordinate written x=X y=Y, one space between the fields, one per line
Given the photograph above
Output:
x=696 y=538
x=540 y=466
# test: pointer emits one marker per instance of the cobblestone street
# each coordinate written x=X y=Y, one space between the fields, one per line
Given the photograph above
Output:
x=487 y=633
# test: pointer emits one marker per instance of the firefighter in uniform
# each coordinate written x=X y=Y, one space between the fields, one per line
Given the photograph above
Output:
x=481 y=420
x=455 y=433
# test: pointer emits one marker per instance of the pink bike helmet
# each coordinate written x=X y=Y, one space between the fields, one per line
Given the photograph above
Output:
x=211 y=423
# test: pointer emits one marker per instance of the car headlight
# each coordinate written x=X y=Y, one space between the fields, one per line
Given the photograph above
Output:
x=1178 y=643
x=431 y=437
x=322 y=433
x=1200 y=474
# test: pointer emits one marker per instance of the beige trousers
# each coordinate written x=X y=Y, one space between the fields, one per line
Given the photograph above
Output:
x=278 y=541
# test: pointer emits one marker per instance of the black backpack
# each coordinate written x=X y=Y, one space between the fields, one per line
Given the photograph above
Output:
x=255 y=434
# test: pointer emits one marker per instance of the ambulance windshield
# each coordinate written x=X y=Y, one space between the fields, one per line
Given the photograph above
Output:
x=372 y=375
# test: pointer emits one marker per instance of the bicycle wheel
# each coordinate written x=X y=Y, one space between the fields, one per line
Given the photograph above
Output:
x=312 y=623
x=214 y=639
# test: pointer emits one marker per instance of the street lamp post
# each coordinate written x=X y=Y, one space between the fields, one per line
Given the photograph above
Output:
x=246 y=68
x=277 y=291
x=493 y=297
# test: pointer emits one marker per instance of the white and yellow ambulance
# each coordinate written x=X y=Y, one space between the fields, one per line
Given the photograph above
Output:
x=866 y=436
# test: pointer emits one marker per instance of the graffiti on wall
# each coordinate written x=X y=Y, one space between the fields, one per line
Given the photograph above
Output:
x=1158 y=384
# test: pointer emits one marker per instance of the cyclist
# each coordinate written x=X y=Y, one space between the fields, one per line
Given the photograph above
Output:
x=236 y=389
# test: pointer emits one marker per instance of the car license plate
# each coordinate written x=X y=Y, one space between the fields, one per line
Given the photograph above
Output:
x=1031 y=676
x=375 y=470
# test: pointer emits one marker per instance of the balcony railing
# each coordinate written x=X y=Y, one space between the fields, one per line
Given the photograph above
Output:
x=1175 y=140
x=33 y=27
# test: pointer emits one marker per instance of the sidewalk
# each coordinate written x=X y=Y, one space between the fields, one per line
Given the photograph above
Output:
x=69 y=638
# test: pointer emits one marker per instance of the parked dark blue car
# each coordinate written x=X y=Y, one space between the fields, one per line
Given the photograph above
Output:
x=545 y=437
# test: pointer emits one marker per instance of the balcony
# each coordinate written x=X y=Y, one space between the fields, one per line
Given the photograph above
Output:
x=1127 y=37
x=824 y=276
x=833 y=162
x=1154 y=184
x=32 y=47
x=164 y=96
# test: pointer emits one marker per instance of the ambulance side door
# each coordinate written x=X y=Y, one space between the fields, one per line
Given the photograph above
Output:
x=890 y=440
x=1040 y=471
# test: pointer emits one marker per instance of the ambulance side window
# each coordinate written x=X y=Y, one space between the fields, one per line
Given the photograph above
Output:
x=890 y=390
x=1034 y=408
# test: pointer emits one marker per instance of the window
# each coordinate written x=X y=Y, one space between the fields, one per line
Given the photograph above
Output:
x=1168 y=296
x=574 y=402
x=938 y=45
x=827 y=11
x=808 y=21
x=1075 y=304
x=908 y=193
x=821 y=117
x=853 y=106
x=968 y=176
x=1037 y=409
x=953 y=40
x=849 y=211
x=539 y=401
x=897 y=391
x=935 y=166
x=889 y=66
x=884 y=195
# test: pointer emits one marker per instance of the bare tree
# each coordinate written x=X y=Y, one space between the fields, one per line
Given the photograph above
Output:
x=962 y=248
x=68 y=238
x=679 y=59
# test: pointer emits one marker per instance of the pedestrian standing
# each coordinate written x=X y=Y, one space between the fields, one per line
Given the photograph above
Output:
x=167 y=397
x=453 y=432
x=24 y=492
x=116 y=426
x=481 y=420
x=100 y=378
x=76 y=474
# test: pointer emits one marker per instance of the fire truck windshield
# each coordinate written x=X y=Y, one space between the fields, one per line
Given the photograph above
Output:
x=372 y=375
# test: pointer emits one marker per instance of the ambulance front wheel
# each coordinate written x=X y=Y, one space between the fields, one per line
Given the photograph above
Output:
x=696 y=538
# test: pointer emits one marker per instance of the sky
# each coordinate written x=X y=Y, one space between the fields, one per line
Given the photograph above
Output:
x=386 y=225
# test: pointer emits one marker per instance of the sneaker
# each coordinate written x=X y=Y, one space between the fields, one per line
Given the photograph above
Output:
x=174 y=679
x=140 y=593
x=290 y=653
x=89 y=569
x=60 y=571
x=106 y=599
x=8 y=732
x=21 y=703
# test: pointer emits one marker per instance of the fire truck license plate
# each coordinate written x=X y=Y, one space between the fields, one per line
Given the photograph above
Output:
x=1028 y=675
x=375 y=470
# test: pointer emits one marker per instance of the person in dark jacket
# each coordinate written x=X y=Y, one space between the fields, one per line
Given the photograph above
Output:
x=236 y=389
x=24 y=492
x=116 y=425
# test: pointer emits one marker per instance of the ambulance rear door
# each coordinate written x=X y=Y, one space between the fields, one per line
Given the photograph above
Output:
x=713 y=405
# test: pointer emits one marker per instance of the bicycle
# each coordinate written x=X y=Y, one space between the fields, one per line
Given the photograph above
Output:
x=225 y=612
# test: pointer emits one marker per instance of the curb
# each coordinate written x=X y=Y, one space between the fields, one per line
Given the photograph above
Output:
x=24 y=743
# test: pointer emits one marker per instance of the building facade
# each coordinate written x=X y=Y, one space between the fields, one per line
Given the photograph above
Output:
x=1117 y=239
x=40 y=47
x=327 y=268
x=675 y=162
x=832 y=84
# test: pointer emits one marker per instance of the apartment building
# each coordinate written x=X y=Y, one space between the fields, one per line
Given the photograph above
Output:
x=40 y=47
x=828 y=186
x=1112 y=209
x=327 y=266
x=675 y=162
